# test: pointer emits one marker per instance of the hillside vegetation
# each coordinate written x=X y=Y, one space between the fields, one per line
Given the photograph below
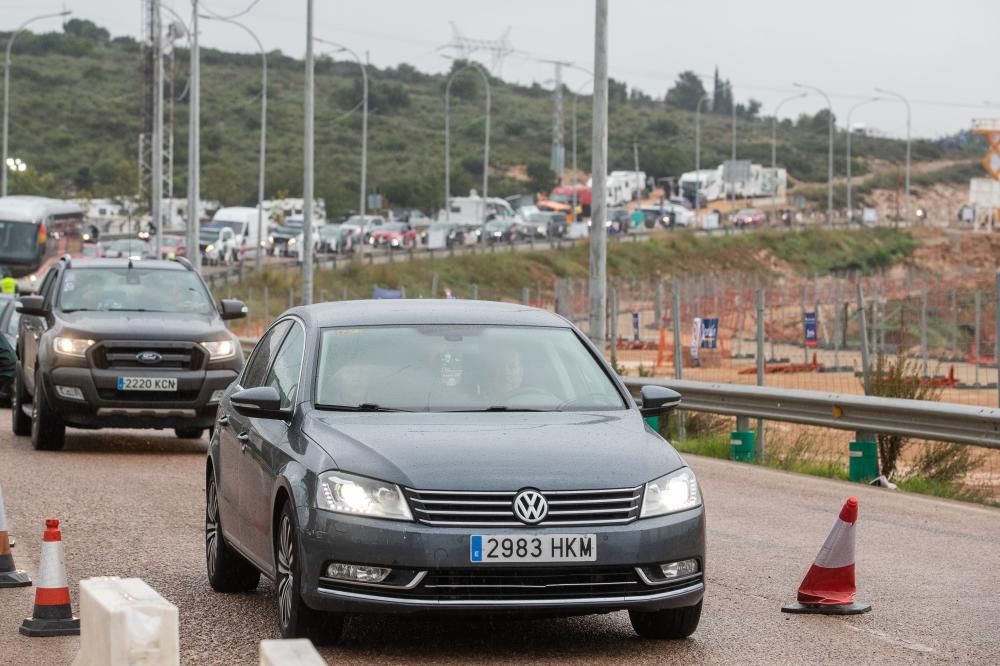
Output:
x=76 y=114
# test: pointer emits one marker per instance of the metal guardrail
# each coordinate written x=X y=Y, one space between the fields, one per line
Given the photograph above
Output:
x=944 y=422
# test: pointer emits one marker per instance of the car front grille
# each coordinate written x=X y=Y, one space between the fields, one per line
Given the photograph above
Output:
x=496 y=508
x=528 y=584
x=123 y=354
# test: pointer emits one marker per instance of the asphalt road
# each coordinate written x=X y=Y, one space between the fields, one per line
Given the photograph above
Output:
x=131 y=505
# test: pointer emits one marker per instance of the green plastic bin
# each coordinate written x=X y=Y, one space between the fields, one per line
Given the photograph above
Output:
x=863 y=461
x=742 y=445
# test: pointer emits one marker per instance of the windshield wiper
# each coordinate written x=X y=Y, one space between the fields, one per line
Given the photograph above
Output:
x=497 y=408
x=363 y=407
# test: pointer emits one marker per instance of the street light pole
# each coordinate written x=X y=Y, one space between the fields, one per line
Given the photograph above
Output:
x=774 y=149
x=362 y=203
x=906 y=215
x=850 y=202
x=6 y=90
x=262 y=151
x=193 y=226
x=156 y=155
x=307 y=184
x=447 y=138
x=829 y=175
x=598 y=285
x=697 y=152
x=732 y=103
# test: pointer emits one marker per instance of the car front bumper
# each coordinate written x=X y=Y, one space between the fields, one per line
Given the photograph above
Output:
x=103 y=406
x=425 y=556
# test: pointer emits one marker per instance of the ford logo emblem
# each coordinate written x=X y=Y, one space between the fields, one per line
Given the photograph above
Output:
x=148 y=357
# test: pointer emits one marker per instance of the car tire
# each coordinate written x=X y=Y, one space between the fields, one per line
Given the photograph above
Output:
x=667 y=624
x=19 y=421
x=48 y=432
x=295 y=618
x=227 y=570
x=189 y=433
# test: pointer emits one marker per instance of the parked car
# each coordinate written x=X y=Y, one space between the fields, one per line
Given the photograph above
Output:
x=500 y=231
x=619 y=219
x=92 y=250
x=280 y=235
x=394 y=235
x=112 y=343
x=127 y=248
x=173 y=246
x=749 y=217
x=446 y=456
x=329 y=238
x=367 y=223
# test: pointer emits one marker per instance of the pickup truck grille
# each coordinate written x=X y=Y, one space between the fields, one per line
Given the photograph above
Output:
x=124 y=354
x=614 y=506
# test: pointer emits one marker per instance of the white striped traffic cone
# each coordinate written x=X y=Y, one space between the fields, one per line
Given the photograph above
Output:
x=10 y=576
x=52 y=615
x=828 y=588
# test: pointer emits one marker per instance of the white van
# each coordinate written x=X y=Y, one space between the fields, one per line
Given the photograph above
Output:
x=232 y=245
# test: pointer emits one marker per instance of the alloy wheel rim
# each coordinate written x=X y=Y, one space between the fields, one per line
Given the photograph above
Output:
x=286 y=574
x=212 y=527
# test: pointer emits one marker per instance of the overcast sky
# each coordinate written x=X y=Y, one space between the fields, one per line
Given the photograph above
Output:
x=941 y=55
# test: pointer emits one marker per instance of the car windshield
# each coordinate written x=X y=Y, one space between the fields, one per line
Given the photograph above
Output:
x=538 y=218
x=441 y=226
x=133 y=289
x=127 y=248
x=329 y=231
x=235 y=226
x=445 y=368
x=393 y=226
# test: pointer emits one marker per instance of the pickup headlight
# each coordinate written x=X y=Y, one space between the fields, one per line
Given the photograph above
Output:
x=74 y=347
x=677 y=491
x=358 y=495
x=209 y=249
x=219 y=349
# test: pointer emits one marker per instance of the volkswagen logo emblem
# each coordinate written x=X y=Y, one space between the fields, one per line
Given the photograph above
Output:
x=148 y=357
x=530 y=507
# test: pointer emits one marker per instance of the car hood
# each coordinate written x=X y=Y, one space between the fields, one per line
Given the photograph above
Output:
x=387 y=234
x=495 y=451
x=143 y=325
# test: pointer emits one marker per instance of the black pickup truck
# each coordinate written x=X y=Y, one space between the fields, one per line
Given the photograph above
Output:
x=122 y=343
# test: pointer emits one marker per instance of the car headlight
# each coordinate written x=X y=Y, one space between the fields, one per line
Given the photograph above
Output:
x=72 y=346
x=541 y=228
x=219 y=349
x=677 y=491
x=270 y=239
x=209 y=248
x=357 y=495
x=291 y=241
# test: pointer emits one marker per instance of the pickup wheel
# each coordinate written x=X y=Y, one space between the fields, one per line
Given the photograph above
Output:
x=19 y=421
x=48 y=432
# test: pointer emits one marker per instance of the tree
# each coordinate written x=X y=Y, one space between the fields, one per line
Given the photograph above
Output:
x=541 y=177
x=87 y=30
x=686 y=92
x=617 y=91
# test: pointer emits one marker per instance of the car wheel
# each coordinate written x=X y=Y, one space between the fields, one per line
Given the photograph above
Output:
x=227 y=570
x=189 y=433
x=667 y=624
x=295 y=618
x=48 y=432
x=20 y=422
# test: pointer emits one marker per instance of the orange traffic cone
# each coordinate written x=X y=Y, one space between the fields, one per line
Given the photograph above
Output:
x=9 y=574
x=828 y=588
x=52 y=615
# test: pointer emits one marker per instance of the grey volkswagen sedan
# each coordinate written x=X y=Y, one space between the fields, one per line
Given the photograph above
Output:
x=422 y=456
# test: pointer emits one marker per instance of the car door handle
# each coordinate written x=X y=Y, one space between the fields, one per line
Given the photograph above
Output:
x=223 y=420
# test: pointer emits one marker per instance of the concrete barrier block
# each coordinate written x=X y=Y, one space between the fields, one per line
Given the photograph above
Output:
x=123 y=621
x=290 y=652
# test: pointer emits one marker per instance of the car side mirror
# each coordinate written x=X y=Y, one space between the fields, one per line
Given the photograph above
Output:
x=231 y=308
x=261 y=402
x=33 y=306
x=658 y=399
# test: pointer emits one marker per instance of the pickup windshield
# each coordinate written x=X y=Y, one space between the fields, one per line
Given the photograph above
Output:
x=449 y=368
x=133 y=290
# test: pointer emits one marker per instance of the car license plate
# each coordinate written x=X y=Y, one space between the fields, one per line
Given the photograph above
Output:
x=539 y=548
x=147 y=383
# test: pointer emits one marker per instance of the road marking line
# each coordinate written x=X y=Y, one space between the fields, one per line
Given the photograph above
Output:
x=916 y=647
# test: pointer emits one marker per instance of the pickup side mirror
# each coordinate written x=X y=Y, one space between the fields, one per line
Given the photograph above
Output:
x=261 y=402
x=33 y=306
x=231 y=308
x=658 y=399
